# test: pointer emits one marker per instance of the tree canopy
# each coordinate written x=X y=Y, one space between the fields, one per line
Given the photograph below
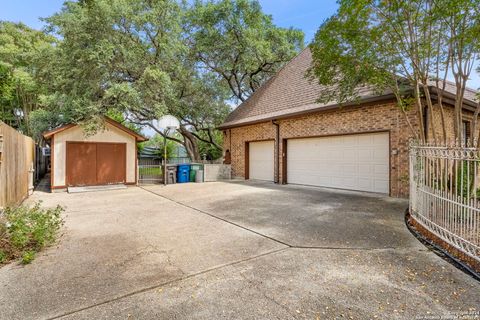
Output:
x=400 y=46
x=239 y=43
x=22 y=56
x=141 y=59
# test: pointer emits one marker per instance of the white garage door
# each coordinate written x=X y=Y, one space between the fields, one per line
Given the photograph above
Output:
x=355 y=162
x=261 y=160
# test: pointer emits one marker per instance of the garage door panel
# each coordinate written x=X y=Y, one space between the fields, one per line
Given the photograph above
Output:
x=365 y=183
x=365 y=170
x=350 y=154
x=335 y=154
x=381 y=169
x=261 y=160
x=111 y=163
x=365 y=154
x=379 y=140
x=314 y=179
x=350 y=169
x=381 y=185
x=357 y=162
x=365 y=140
x=81 y=164
x=344 y=182
x=91 y=163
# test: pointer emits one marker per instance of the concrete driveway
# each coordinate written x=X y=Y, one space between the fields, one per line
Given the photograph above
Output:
x=239 y=250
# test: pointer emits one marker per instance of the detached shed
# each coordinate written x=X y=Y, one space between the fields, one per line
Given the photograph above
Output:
x=107 y=157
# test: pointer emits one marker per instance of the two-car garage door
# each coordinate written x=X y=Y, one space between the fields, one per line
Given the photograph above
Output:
x=355 y=162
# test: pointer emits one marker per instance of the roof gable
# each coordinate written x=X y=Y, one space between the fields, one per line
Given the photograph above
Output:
x=289 y=88
x=138 y=137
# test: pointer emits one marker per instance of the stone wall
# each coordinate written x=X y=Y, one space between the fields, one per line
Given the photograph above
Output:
x=216 y=172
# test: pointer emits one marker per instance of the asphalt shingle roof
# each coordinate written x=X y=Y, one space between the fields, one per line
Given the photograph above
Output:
x=290 y=92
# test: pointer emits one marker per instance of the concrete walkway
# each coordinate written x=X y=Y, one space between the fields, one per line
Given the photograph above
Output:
x=234 y=250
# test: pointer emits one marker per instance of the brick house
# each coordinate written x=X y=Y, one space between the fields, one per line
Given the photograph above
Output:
x=282 y=134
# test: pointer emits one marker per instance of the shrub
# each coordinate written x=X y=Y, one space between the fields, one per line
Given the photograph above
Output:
x=25 y=230
x=28 y=256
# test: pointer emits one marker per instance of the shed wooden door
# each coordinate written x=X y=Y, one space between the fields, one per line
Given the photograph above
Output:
x=95 y=163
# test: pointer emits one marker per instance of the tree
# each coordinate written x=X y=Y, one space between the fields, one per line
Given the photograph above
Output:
x=22 y=53
x=399 y=46
x=462 y=21
x=157 y=142
x=210 y=152
x=239 y=43
x=131 y=56
x=141 y=58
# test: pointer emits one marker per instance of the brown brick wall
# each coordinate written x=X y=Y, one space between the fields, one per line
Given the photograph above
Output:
x=367 y=118
x=449 y=118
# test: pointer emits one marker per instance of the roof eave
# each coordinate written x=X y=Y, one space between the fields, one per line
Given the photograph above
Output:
x=307 y=112
x=138 y=137
x=467 y=104
x=48 y=134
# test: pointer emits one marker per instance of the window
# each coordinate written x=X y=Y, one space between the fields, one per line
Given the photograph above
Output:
x=466 y=131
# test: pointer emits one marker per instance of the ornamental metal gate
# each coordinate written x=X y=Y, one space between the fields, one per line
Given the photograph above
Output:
x=150 y=171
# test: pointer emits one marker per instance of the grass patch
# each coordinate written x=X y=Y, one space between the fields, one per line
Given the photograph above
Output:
x=150 y=171
x=25 y=230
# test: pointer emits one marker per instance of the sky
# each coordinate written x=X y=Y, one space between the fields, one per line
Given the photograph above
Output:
x=302 y=14
x=306 y=15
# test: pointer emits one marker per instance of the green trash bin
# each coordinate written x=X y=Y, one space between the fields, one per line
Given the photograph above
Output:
x=194 y=168
x=192 y=175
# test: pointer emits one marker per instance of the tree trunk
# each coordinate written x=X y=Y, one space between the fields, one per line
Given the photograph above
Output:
x=458 y=114
x=431 y=118
x=191 y=144
x=442 y=115
x=420 y=111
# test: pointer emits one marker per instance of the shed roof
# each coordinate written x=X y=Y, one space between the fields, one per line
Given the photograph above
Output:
x=291 y=93
x=138 y=137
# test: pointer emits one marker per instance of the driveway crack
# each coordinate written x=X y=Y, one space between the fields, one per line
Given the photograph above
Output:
x=266 y=296
x=153 y=247
x=292 y=246
x=159 y=285
x=218 y=218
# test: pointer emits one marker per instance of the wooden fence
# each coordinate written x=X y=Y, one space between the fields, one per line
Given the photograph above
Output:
x=16 y=166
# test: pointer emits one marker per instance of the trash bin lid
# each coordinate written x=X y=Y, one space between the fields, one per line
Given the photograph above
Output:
x=184 y=167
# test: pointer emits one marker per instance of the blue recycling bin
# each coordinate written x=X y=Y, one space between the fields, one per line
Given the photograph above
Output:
x=183 y=173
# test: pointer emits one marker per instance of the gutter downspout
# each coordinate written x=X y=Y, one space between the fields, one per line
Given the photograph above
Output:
x=277 y=153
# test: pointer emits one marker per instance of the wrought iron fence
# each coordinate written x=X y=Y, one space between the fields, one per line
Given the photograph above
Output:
x=188 y=161
x=445 y=192
x=150 y=171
